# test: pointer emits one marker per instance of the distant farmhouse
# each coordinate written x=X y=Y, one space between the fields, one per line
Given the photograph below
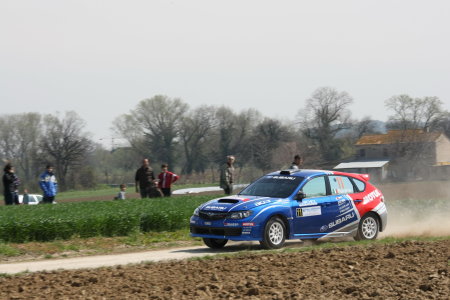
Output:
x=401 y=155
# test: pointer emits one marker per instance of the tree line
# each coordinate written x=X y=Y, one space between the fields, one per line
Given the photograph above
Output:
x=195 y=141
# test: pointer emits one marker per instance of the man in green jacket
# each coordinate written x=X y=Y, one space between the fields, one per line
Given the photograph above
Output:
x=227 y=174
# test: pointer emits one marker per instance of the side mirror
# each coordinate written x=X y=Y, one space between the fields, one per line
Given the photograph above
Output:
x=300 y=196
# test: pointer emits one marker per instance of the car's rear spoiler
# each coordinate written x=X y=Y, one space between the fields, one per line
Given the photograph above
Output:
x=364 y=177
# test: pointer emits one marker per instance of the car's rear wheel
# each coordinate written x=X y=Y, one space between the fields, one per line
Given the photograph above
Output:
x=274 y=234
x=215 y=243
x=368 y=227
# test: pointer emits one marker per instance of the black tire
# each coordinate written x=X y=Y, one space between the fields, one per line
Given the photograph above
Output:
x=368 y=227
x=215 y=243
x=274 y=234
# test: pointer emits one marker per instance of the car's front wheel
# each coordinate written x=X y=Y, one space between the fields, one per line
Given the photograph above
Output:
x=368 y=227
x=215 y=243
x=274 y=234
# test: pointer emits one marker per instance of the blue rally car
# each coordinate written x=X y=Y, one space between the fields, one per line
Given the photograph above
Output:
x=293 y=204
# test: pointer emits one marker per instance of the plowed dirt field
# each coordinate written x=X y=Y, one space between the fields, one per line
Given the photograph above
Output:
x=405 y=270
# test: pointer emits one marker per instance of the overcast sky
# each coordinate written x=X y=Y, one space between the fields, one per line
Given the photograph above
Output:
x=100 y=58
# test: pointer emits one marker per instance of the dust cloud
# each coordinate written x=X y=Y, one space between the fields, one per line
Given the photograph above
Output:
x=417 y=209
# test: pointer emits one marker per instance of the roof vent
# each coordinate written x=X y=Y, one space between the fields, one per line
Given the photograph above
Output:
x=285 y=172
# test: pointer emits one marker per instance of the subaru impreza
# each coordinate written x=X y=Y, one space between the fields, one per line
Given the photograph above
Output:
x=293 y=204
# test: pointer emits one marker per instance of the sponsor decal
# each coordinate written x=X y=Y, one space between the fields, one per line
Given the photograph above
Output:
x=371 y=196
x=248 y=224
x=341 y=220
x=309 y=211
x=323 y=228
x=262 y=202
x=308 y=202
x=214 y=207
x=231 y=224
x=208 y=223
x=245 y=232
x=344 y=206
x=282 y=177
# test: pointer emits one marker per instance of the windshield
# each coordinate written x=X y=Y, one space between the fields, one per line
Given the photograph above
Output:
x=278 y=186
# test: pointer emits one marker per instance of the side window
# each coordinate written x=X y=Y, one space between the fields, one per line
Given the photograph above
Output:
x=341 y=185
x=315 y=187
x=359 y=184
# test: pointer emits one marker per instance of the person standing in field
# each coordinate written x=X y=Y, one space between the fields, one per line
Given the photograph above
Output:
x=166 y=179
x=297 y=163
x=48 y=184
x=227 y=174
x=26 y=197
x=145 y=181
x=121 y=194
x=10 y=185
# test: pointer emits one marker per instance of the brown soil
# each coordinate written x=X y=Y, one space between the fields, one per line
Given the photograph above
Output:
x=406 y=270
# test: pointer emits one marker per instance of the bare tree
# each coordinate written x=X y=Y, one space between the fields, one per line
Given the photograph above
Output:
x=154 y=124
x=444 y=123
x=65 y=143
x=194 y=134
x=128 y=127
x=19 y=141
x=267 y=137
x=324 y=116
x=365 y=126
x=414 y=113
x=233 y=133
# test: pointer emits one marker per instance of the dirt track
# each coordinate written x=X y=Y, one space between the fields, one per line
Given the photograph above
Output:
x=407 y=270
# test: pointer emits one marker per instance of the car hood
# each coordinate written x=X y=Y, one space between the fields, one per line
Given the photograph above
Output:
x=236 y=203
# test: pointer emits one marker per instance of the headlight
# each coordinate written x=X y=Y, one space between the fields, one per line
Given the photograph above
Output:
x=196 y=212
x=240 y=214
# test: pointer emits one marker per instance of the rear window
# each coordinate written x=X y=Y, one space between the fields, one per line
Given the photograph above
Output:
x=341 y=185
x=359 y=184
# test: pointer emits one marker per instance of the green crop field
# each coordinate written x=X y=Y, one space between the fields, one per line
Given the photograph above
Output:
x=100 y=218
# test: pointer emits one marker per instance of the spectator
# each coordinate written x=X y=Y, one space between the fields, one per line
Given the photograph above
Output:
x=48 y=184
x=121 y=194
x=297 y=163
x=10 y=185
x=227 y=174
x=145 y=181
x=26 y=197
x=166 y=179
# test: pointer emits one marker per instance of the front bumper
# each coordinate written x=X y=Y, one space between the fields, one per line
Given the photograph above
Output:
x=236 y=230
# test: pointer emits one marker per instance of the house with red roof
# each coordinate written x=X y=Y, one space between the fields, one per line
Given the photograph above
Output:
x=401 y=154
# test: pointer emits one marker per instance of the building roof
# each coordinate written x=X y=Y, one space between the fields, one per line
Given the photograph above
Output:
x=399 y=136
x=362 y=164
